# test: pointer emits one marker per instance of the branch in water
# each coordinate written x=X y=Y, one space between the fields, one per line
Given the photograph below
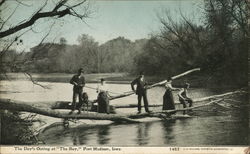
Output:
x=35 y=82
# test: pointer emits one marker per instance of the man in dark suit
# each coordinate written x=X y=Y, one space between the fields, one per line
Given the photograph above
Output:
x=140 y=91
x=78 y=81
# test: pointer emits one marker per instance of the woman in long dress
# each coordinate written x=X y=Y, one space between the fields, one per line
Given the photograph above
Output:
x=103 y=98
x=168 y=99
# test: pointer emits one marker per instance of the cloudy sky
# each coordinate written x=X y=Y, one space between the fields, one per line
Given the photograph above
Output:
x=109 y=19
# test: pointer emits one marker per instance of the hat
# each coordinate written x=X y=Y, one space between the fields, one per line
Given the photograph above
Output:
x=80 y=70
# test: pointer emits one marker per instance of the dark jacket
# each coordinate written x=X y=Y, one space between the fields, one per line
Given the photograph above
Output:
x=140 y=86
x=80 y=82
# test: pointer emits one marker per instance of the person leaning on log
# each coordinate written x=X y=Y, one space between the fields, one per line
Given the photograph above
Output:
x=168 y=99
x=140 y=91
x=183 y=97
x=103 y=98
x=78 y=81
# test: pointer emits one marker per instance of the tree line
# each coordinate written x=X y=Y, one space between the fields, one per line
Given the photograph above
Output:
x=116 y=55
x=218 y=46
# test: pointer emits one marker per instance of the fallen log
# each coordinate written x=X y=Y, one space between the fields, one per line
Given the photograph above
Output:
x=161 y=113
x=152 y=86
x=220 y=95
x=190 y=108
x=23 y=106
x=195 y=101
x=68 y=105
x=135 y=106
x=65 y=104
x=174 y=77
x=131 y=117
x=7 y=104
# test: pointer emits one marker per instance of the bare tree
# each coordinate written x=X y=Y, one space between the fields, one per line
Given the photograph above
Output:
x=60 y=10
x=10 y=35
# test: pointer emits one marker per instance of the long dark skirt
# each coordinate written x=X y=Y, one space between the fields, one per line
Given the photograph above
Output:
x=168 y=100
x=103 y=103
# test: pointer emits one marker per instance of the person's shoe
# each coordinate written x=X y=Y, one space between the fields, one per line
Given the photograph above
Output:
x=71 y=112
x=149 y=111
x=139 y=112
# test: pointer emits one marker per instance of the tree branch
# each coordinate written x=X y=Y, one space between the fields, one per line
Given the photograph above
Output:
x=1 y=2
x=39 y=15
x=34 y=82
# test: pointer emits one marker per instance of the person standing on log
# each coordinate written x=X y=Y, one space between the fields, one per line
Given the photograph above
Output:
x=78 y=81
x=168 y=99
x=183 y=97
x=103 y=98
x=140 y=91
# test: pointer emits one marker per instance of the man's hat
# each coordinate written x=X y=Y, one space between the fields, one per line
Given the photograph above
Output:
x=80 y=70
x=141 y=73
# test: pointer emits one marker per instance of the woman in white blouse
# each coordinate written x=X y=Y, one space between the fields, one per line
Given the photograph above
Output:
x=168 y=99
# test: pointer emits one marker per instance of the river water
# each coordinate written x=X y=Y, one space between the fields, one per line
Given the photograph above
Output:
x=215 y=126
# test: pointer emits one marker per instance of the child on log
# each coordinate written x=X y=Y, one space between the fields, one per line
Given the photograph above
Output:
x=183 y=97
x=168 y=99
x=140 y=91
x=103 y=98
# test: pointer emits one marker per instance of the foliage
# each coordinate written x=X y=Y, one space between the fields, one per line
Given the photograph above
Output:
x=113 y=56
x=219 y=46
x=15 y=130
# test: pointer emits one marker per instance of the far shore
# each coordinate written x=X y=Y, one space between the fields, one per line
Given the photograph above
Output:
x=115 y=78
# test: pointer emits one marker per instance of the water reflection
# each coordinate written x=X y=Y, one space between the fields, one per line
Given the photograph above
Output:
x=75 y=137
x=168 y=131
x=103 y=135
x=142 y=133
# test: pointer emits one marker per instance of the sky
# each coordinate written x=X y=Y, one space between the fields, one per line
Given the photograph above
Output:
x=109 y=19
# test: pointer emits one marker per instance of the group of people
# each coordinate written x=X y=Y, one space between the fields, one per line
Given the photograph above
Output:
x=78 y=82
x=168 y=99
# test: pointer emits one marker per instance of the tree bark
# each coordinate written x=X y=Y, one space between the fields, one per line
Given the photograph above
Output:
x=25 y=107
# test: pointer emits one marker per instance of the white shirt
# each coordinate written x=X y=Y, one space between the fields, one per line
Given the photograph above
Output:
x=102 y=88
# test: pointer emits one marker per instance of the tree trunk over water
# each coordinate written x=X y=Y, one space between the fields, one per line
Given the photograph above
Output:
x=25 y=107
